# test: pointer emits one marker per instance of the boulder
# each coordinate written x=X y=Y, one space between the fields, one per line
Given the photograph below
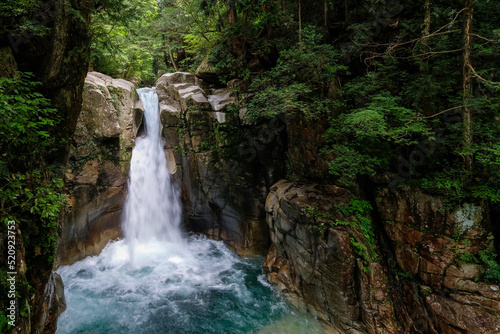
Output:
x=315 y=260
x=207 y=72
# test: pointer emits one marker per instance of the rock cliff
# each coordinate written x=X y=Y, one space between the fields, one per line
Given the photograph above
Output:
x=426 y=277
x=442 y=281
x=223 y=179
x=98 y=167
x=319 y=255
x=58 y=59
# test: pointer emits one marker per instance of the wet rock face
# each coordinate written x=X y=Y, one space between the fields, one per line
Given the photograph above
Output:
x=53 y=304
x=444 y=292
x=98 y=167
x=315 y=261
x=223 y=179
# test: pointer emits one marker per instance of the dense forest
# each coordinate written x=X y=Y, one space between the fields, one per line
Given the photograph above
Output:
x=407 y=86
x=410 y=91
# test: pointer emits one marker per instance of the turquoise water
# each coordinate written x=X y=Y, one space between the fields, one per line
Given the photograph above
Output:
x=203 y=288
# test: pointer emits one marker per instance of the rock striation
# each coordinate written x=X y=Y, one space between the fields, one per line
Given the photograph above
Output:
x=436 y=250
x=428 y=276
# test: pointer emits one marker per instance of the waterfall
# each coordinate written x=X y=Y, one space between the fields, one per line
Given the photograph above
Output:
x=152 y=209
x=154 y=281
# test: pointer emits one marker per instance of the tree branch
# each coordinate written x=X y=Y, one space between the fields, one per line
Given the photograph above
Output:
x=481 y=78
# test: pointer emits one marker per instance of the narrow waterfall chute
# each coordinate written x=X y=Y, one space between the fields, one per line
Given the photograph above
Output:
x=152 y=209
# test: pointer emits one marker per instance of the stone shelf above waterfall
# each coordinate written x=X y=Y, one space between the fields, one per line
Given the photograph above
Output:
x=181 y=91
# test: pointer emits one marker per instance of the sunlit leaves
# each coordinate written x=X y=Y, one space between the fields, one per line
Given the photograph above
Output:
x=124 y=43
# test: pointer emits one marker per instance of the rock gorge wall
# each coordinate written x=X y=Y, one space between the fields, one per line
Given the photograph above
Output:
x=98 y=167
x=320 y=256
x=416 y=283
x=59 y=60
x=319 y=264
x=419 y=283
x=441 y=287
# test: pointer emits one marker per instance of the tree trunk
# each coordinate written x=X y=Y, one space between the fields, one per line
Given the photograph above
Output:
x=426 y=26
x=346 y=12
x=231 y=12
x=300 y=26
x=172 y=60
x=326 y=13
x=467 y=83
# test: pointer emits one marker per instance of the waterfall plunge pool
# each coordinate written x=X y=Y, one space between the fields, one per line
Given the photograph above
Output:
x=157 y=281
x=201 y=287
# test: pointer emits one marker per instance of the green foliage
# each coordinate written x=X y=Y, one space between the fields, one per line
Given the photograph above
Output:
x=30 y=189
x=366 y=140
x=124 y=43
x=360 y=210
x=467 y=257
x=299 y=81
x=314 y=213
x=17 y=16
x=492 y=271
x=30 y=194
x=406 y=275
x=360 y=250
x=26 y=117
x=4 y=325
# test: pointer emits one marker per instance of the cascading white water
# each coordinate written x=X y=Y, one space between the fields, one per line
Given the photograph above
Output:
x=154 y=281
x=152 y=210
